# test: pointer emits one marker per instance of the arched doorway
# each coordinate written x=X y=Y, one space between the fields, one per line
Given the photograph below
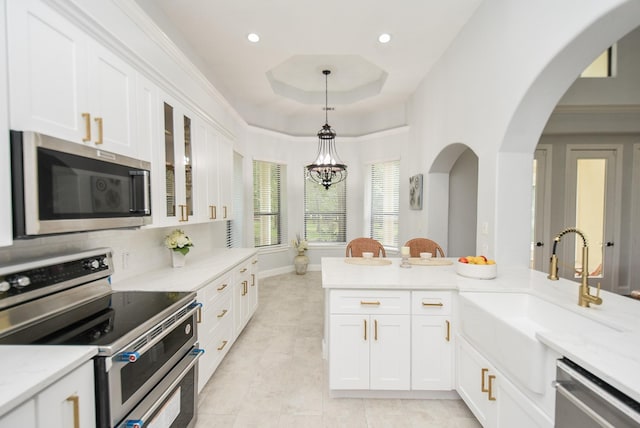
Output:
x=453 y=186
x=515 y=157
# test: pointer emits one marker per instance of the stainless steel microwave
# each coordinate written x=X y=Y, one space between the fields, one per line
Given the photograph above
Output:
x=59 y=187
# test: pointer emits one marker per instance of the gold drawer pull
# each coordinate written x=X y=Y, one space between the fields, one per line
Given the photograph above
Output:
x=375 y=302
x=75 y=400
x=375 y=329
x=432 y=304
x=223 y=313
x=224 y=343
x=448 y=338
x=243 y=270
x=222 y=287
x=87 y=127
x=254 y=262
x=483 y=386
x=365 y=329
x=99 y=122
x=253 y=279
x=212 y=212
x=490 y=389
x=199 y=315
x=224 y=210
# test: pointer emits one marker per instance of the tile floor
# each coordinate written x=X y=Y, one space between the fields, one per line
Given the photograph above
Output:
x=274 y=375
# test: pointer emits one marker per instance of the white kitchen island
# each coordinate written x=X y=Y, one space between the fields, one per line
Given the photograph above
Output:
x=502 y=360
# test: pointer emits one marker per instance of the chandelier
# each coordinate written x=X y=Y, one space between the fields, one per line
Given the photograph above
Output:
x=327 y=169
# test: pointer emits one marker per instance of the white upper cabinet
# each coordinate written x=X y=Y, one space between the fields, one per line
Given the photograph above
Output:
x=63 y=83
x=173 y=171
x=215 y=166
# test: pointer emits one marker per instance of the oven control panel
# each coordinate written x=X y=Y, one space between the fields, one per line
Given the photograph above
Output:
x=28 y=277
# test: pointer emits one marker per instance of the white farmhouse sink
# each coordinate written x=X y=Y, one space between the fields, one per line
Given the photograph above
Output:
x=504 y=327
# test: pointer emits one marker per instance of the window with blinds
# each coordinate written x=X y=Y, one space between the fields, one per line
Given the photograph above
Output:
x=325 y=212
x=267 y=203
x=385 y=202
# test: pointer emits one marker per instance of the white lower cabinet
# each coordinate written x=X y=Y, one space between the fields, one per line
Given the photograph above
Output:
x=245 y=296
x=215 y=331
x=431 y=341
x=68 y=403
x=492 y=398
x=370 y=347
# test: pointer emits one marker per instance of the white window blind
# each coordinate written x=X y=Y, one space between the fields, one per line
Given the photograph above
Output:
x=235 y=237
x=325 y=212
x=267 y=203
x=385 y=205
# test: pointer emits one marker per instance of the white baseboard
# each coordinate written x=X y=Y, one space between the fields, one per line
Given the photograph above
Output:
x=285 y=269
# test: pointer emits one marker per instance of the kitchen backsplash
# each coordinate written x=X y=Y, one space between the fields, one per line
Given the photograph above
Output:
x=135 y=251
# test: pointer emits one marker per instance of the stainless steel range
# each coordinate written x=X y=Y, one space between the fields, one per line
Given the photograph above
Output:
x=146 y=341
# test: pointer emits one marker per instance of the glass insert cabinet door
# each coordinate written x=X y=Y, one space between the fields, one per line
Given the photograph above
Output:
x=178 y=164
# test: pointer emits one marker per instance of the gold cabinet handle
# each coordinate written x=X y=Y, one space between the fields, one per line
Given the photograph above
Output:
x=490 y=389
x=87 y=127
x=448 y=337
x=365 y=329
x=199 y=315
x=184 y=213
x=365 y=302
x=483 y=386
x=375 y=329
x=243 y=270
x=432 y=304
x=212 y=212
x=223 y=313
x=99 y=122
x=253 y=279
x=75 y=400
x=224 y=211
x=224 y=343
x=244 y=288
x=222 y=287
x=254 y=262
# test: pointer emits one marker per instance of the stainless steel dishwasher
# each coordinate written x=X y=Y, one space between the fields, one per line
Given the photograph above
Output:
x=585 y=401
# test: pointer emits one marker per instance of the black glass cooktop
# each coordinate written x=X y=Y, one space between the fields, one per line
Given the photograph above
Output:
x=103 y=321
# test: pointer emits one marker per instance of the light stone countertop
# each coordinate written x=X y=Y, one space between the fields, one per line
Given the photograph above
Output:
x=28 y=369
x=614 y=357
x=197 y=272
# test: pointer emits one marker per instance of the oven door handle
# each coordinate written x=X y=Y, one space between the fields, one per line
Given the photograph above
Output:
x=132 y=357
x=195 y=353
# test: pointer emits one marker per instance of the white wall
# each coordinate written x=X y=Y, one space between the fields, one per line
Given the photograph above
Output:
x=494 y=89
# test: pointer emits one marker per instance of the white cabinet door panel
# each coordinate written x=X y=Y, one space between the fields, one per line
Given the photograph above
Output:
x=349 y=352
x=58 y=405
x=47 y=71
x=112 y=100
x=390 y=357
x=431 y=353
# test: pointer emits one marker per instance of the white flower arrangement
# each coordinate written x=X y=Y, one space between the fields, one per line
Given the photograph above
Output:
x=178 y=241
x=299 y=244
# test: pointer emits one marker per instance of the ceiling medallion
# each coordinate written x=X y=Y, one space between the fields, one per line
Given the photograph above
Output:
x=327 y=169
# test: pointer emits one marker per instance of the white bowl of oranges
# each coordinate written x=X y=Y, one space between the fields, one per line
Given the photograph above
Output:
x=477 y=267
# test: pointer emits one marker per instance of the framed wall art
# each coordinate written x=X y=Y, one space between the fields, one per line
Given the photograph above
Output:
x=415 y=192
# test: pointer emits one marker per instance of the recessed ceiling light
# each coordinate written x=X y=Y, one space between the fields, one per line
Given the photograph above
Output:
x=384 y=38
x=253 y=37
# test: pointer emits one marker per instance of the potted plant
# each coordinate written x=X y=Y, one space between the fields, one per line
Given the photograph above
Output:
x=179 y=244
